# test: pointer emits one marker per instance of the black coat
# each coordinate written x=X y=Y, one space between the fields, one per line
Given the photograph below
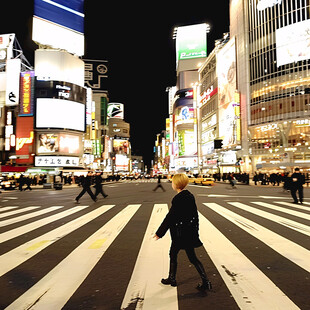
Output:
x=297 y=180
x=182 y=220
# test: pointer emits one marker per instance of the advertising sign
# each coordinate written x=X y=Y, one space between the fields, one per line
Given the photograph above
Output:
x=56 y=161
x=24 y=140
x=60 y=90
x=187 y=143
x=191 y=42
x=293 y=43
x=120 y=146
x=121 y=162
x=59 y=24
x=58 y=143
x=26 y=94
x=116 y=110
x=6 y=46
x=13 y=67
x=62 y=114
x=226 y=71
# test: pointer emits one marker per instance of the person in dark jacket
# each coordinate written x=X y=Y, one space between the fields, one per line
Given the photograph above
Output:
x=159 y=184
x=182 y=221
x=297 y=182
x=86 y=183
x=98 y=186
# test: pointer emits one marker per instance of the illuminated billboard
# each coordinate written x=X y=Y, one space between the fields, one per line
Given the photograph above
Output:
x=59 y=113
x=6 y=46
x=226 y=72
x=58 y=143
x=13 y=67
x=187 y=142
x=59 y=24
x=121 y=146
x=24 y=140
x=191 y=42
x=26 y=93
x=116 y=110
x=293 y=43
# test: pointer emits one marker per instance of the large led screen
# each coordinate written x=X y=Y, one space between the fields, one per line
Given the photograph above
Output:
x=59 y=24
x=58 y=113
x=293 y=43
x=226 y=72
x=191 y=42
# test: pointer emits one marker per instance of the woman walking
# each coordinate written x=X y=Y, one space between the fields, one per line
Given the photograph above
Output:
x=182 y=220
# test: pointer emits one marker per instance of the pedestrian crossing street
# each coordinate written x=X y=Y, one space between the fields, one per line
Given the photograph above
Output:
x=49 y=256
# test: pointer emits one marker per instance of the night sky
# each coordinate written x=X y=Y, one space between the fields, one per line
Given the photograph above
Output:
x=136 y=38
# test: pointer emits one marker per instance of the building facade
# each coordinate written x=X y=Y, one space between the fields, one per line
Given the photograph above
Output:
x=272 y=47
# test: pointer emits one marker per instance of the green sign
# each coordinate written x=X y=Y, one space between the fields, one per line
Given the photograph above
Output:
x=191 y=42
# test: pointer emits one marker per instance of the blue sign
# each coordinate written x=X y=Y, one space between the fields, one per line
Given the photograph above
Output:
x=67 y=13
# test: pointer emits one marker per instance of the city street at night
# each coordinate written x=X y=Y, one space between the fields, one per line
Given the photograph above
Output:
x=56 y=254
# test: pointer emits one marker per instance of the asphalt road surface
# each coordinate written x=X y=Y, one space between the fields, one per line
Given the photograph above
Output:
x=56 y=254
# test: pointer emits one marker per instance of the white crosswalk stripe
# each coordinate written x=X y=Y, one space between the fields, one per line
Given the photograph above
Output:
x=144 y=290
x=2 y=215
x=285 y=247
x=304 y=229
x=66 y=277
x=250 y=287
x=27 y=216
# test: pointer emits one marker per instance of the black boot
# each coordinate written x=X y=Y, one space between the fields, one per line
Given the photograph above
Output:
x=172 y=273
x=206 y=284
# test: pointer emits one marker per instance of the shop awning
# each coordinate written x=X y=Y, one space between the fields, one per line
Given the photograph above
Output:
x=13 y=169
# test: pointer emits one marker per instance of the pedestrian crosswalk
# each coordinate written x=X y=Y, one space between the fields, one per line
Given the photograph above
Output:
x=258 y=253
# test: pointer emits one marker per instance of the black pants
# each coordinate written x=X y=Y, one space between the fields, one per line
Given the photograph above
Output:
x=300 y=193
x=99 y=190
x=84 y=190
x=190 y=252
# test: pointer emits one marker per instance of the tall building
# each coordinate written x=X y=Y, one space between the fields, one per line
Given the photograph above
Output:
x=272 y=51
x=191 y=51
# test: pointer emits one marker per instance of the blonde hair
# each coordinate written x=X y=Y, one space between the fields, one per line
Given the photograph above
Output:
x=180 y=180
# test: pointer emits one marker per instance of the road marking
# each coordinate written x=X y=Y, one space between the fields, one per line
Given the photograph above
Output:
x=56 y=288
x=36 y=224
x=301 y=228
x=17 y=211
x=285 y=210
x=290 y=250
x=3 y=209
x=238 y=196
x=28 y=216
x=152 y=264
x=294 y=205
x=249 y=286
x=19 y=255
x=97 y=244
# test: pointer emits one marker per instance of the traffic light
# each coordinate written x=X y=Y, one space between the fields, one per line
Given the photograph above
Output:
x=218 y=143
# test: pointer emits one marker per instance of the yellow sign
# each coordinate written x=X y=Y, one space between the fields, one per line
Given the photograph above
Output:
x=20 y=142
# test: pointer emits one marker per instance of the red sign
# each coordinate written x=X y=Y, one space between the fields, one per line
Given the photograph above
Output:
x=24 y=140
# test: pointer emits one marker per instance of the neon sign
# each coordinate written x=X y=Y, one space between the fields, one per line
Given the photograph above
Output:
x=20 y=142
